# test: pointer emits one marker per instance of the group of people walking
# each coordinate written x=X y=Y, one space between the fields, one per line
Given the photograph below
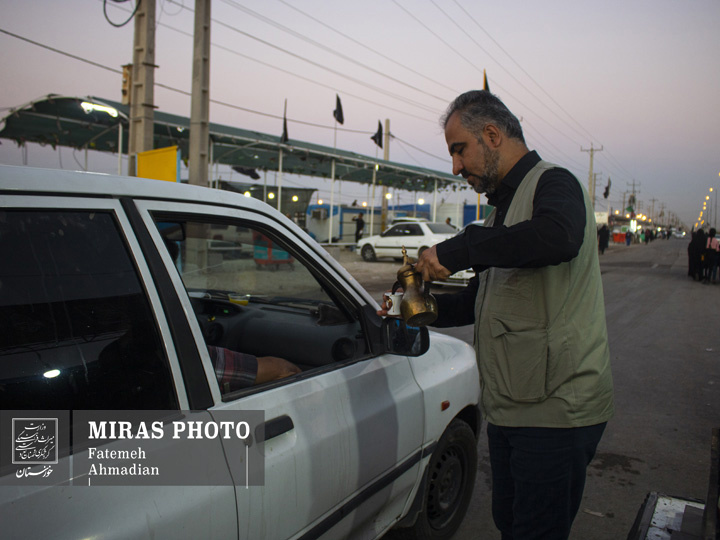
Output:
x=703 y=256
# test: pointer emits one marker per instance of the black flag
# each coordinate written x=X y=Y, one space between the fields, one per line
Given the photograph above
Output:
x=337 y=113
x=284 y=137
x=378 y=135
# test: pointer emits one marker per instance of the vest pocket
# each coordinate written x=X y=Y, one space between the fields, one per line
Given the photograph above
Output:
x=520 y=359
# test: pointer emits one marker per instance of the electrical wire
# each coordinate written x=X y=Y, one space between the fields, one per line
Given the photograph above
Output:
x=367 y=47
x=312 y=81
x=74 y=57
x=130 y=18
x=326 y=48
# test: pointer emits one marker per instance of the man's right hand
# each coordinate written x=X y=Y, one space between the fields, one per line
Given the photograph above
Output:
x=429 y=266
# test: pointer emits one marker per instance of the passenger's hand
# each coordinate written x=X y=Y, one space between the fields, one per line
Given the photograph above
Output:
x=429 y=266
x=271 y=368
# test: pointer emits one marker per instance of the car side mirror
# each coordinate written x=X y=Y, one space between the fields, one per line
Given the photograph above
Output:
x=394 y=336
x=403 y=339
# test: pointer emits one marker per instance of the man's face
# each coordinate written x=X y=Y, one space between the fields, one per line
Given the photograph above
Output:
x=472 y=158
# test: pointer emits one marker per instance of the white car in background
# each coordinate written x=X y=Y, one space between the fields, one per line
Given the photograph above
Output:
x=416 y=237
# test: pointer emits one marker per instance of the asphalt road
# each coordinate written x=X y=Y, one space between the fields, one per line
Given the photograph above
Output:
x=664 y=336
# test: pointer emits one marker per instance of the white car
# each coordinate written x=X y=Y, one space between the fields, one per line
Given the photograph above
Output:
x=416 y=237
x=113 y=304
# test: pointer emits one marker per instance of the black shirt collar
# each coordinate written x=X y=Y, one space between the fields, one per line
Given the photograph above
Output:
x=512 y=179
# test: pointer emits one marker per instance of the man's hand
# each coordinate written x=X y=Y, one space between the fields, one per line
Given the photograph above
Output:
x=429 y=266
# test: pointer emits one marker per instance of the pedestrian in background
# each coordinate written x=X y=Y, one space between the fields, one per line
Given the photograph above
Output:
x=603 y=238
x=359 y=226
x=712 y=247
x=695 y=255
x=538 y=309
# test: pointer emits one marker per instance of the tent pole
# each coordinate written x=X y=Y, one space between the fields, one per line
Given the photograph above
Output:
x=372 y=200
x=279 y=182
x=120 y=144
x=332 y=201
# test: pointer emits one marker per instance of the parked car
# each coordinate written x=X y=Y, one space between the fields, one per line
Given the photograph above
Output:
x=415 y=236
x=111 y=300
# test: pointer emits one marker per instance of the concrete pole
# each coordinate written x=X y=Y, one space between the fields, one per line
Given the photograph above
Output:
x=591 y=178
x=198 y=160
x=142 y=105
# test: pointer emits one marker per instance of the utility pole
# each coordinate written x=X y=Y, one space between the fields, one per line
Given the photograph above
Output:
x=595 y=183
x=198 y=159
x=386 y=157
x=591 y=178
x=142 y=117
x=652 y=211
x=633 y=196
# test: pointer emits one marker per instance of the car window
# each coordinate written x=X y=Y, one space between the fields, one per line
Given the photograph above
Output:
x=254 y=299
x=412 y=229
x=78 y=331
x=441 y=228
x=396 y=230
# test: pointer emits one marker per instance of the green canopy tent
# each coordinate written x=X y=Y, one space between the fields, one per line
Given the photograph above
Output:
x=100 y=124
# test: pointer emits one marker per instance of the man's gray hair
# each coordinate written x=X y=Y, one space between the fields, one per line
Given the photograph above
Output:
x=478 y=108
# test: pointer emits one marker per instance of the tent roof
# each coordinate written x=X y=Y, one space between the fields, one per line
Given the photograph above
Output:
x=62 y=121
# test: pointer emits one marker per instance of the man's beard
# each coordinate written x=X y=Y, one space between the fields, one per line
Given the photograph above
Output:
x=489 y=181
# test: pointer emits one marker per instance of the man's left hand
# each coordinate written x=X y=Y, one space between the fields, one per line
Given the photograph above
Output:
x=429 y=266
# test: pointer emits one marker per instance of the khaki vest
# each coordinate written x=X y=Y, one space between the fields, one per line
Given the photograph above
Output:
x=540 y=334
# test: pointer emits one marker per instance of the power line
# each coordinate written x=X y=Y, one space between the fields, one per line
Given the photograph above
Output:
x=60 y=52
x=363 y=45
x=522 y=69
x=325 y=48
x=503 y=67
x=323 y=67
x=312 y=81
x=186 y=93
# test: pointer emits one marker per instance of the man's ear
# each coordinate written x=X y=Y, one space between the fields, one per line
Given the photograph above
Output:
x=493 y=136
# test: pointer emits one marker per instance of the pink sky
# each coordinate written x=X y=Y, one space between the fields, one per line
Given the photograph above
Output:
x=639 y=78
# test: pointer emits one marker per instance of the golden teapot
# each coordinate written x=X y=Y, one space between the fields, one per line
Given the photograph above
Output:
x=418 y=306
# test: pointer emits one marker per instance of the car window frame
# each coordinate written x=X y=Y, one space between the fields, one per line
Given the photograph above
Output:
x=145 y=278
x=340 y=284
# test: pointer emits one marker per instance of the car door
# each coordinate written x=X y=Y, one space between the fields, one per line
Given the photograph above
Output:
x=343 y=437
x=391 y=241
x=414 y=238
x=84 y=329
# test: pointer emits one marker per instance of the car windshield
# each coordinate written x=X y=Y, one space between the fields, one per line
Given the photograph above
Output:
x=441 y=228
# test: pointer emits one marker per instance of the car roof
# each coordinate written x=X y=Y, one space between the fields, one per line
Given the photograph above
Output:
x=408 y=220
x=64 y=182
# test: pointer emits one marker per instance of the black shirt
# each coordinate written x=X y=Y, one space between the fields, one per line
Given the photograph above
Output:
x=552 y=236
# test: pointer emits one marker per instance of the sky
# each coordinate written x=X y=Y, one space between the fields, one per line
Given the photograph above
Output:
x=638 y=78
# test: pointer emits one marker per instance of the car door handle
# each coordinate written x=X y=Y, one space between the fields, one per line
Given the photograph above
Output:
x=273 y=428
